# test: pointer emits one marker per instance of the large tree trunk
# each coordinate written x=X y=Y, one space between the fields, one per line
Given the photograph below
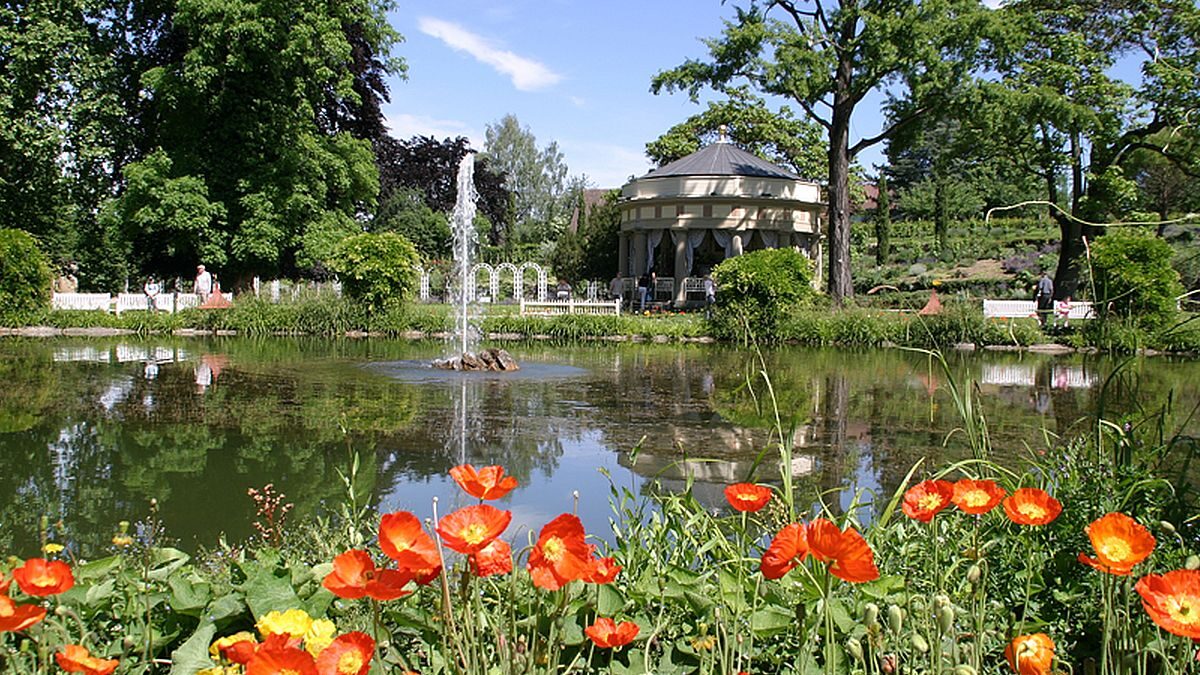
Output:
x=840 y=285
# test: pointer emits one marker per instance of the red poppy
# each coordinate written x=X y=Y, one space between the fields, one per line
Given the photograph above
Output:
x=977 y=497
x=277 y=657
x=849 y=556
x=1031 y=506
x=560 y=555
x=14 y=617
x=5 y=582
x=1120 y=543
x=603 y=571
x=240 y=652
x=1030 y=654
x=495 y=558
x=404 y=540
x=608 y=634
x=924 y=500
x=1173 y=601
x=39 y=576
x=747 y=496
x=787 y=550
x=354 y=575
x=348 y=654
x=472 y=528
x=77 y=659
x=486 y=483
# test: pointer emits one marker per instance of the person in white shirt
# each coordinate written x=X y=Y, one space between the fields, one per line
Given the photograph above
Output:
x=204 y=283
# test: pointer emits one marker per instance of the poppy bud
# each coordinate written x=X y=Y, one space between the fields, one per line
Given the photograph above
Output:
x=871 y=614
x=941 y=600
x=919 y=643
x=973 y=574
x=964 y=669
x=1192 y=562
x=1166 y=526
x=129 y=642
x=945 y=618
x=895 y=618
x=855 y=648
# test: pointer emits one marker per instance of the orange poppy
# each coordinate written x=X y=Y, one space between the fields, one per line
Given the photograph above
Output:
x=470 y=529
x=495 y=558
x=77 y=659
x=14 y=617
x=404 y=540
x=276 y=657
x=1030 y=654
x=348 y=654
x=354 y=575
x=39 y=576
x=1173 y=601
x=976 y=497
x=747 y=496
x=560 y=555
x=1120 y=543
x=608 y=634
x=849 y=556
x=1031 y=506
x=486 y=483
x=924 y=500
x=787 y=550
x=603 y=571
x=5 y=582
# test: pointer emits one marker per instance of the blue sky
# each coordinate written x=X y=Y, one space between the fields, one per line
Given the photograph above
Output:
x=571 y=71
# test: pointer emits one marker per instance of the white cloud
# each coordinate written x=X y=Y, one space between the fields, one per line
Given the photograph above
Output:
x=578 y=101
x=526 y=74
x=405 y=125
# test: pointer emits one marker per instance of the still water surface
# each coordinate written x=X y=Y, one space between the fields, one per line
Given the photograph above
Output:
x=91 y=430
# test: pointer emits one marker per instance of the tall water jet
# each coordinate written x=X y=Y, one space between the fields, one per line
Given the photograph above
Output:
x=462 y=283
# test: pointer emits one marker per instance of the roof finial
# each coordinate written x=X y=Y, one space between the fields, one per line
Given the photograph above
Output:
x=722 y=134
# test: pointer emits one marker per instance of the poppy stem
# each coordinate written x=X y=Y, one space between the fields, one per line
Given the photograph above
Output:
x=375 y=626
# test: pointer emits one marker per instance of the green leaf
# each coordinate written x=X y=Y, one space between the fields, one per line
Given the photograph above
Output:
x=192 y=655
x=610 y=601
x=188 y=598
x=97 y=568
x=266 y=592
x=164 y=561
x=98 y=594
x=770 y=620
x=225 y=608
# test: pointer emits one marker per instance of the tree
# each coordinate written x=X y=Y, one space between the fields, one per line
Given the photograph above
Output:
x=590 y=252
x=1071 y=118
x=406 y=213
x=775 y=136
x=431 y=167
x=535 y=177
x=827 y=56
x=883 y=221
x=378 y=269
x=1167 y=185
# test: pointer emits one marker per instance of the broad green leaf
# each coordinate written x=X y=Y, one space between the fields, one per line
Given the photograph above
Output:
x=192 y=655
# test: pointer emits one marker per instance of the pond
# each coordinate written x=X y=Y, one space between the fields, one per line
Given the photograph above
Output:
x=91 y=430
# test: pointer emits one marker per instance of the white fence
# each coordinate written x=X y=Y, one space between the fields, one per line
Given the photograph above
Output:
x=125 y=302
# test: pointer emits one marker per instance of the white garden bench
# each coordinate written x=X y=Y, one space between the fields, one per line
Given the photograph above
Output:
x=1025 y=309
x=571 y=306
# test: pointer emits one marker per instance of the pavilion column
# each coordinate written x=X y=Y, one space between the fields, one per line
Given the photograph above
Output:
x=681 y=266
x=639 y=253
x=736 y=244
x=622 y=255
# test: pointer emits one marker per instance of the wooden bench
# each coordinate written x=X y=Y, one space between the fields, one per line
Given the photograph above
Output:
x=570 y=306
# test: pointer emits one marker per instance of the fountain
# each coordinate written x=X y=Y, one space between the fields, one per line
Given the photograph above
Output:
x=466 y=329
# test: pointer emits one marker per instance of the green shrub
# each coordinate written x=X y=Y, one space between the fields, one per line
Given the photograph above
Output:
x=1134 y=276
x=755 y=290
x=24 y=276
x=378 y=269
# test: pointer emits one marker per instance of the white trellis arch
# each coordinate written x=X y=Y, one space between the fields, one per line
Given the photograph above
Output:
x=516 y=277
x=492 y=280
x=519 y=285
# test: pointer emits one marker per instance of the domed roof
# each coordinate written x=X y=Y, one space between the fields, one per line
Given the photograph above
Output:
x=722 y=159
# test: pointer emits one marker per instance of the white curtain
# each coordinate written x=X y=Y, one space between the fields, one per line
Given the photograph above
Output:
x=694 y=239
x=652 y=239
x=770 y=239
x=724 y=239
x=743 y=238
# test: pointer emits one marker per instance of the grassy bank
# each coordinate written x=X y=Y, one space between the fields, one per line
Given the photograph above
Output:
x=959 y=323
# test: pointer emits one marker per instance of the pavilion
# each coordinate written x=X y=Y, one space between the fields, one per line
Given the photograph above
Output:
x=715 y=203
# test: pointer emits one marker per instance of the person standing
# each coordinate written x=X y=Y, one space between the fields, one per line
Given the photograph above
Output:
x=615 y=287
x=643 y=286
x=1044 y=297
x=204 y=283
x=710 y=295
x=151 y=288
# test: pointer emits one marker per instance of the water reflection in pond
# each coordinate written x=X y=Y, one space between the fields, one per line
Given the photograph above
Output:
x=91 y=430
